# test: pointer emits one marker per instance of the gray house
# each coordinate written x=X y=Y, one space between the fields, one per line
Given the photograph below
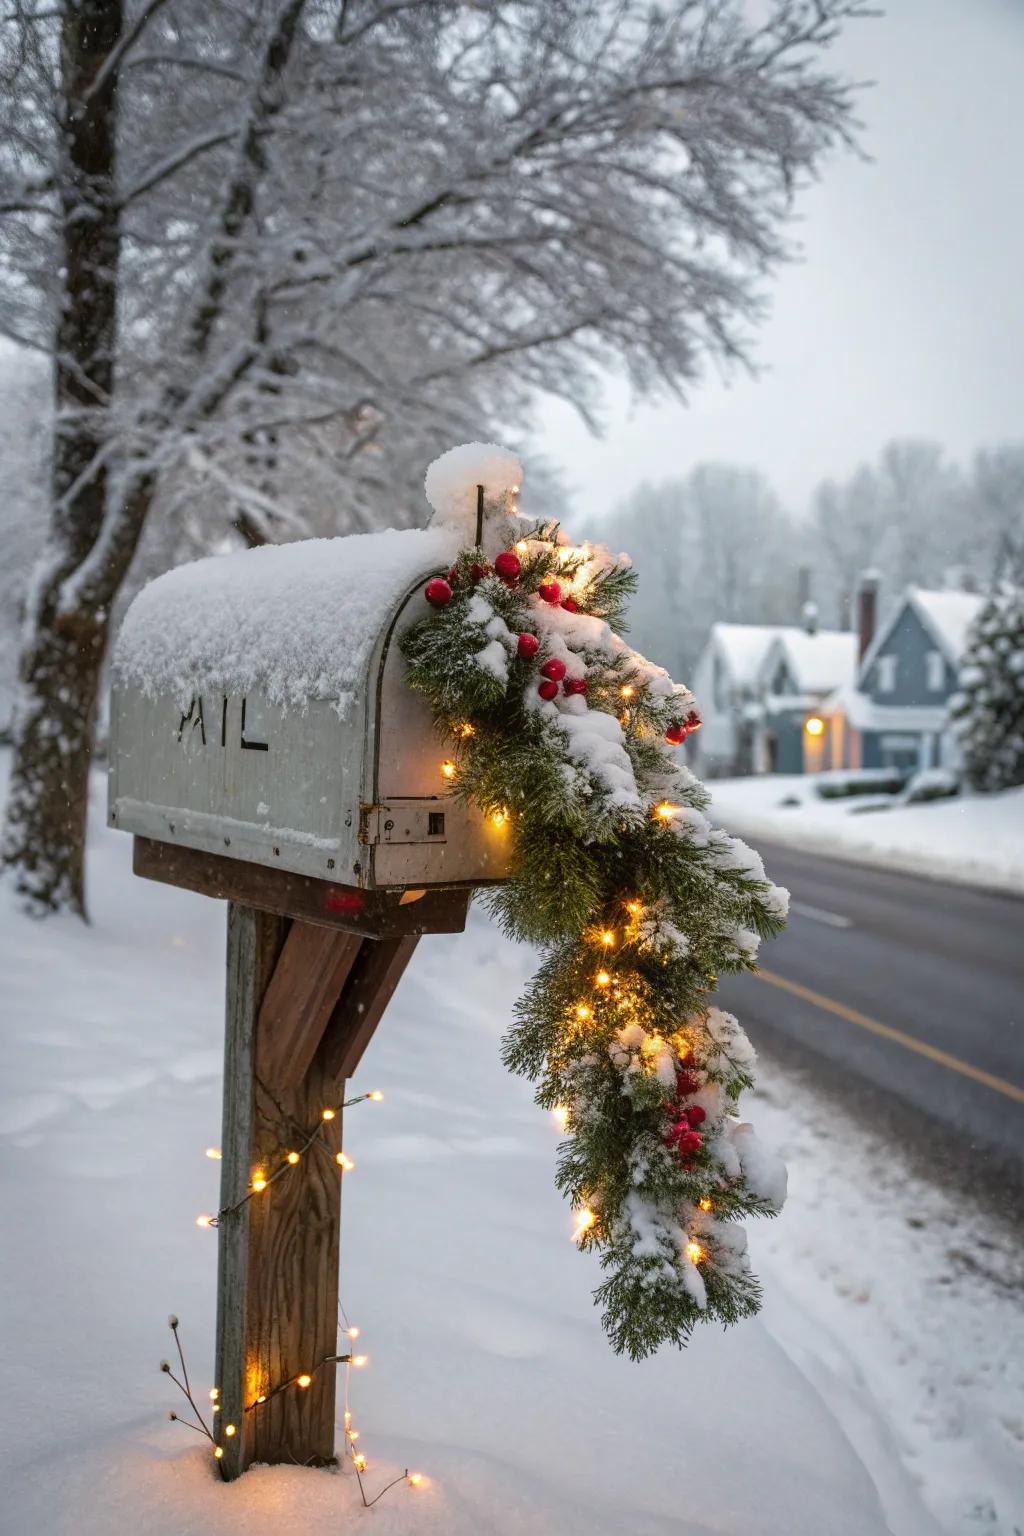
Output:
x=894 y=716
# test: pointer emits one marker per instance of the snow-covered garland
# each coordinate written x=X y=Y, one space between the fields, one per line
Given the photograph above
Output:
x=556 y=726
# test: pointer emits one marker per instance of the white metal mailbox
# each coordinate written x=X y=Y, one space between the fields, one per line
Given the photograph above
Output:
x=260 y=711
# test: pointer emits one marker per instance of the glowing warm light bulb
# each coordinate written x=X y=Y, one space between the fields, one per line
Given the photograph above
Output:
x=376 y=1095
x=304 y=1380
x=215 y=1407
x=634 y=908
x=262 y=1397
x=628 y=691
x=522 y=547
x=214 y=1394
x=293 y=1158
x=607 y=938
x=346 y=1162
x=585 y=1219
x=694 y=1252
x=448 y=768
x=414 y=1479
x=359 y=1460
x=215 y=1153
x=218 y=1451
x=467 y=730
x=705 y=1205
x=229 y=1429
x=259 y=1182
x=515 y=490
x=499 y=818
x=561 y=1114
x=204 y=1221
x=352 y=1434
x=328 y=1114
x=359 y=1361
x=815 y=726
x=666 y=811
x=583 y=1012
x=603 y=979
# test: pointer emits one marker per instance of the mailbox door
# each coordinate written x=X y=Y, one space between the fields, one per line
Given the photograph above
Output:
x=416 y=831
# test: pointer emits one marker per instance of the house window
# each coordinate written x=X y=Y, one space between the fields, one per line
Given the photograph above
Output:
x=885 y=674
x=935 y=671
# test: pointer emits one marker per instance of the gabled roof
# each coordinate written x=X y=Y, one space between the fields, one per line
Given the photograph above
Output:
x=945 y=616
x=817 y=663
x=743 y=648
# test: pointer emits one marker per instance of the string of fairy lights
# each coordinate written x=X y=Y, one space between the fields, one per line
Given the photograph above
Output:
x=259 y=1183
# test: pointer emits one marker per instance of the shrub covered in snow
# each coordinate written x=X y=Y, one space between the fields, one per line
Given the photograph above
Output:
x=844 y=783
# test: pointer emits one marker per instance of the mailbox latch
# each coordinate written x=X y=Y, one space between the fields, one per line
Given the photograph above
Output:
x=402 y=821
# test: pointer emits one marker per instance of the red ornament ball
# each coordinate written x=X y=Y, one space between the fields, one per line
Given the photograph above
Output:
x=690 y=1142
x=452 y=576
x=696 y=1115
x=573 y=685
x=527 y=645
x=677 y=1129
x=675 y=734
x=693 y=721
x=686 y=1083
x=507 y=566
x=570 y=605
x=548 y=689
x=550 y=591
x=553 y=669
x=438 y=592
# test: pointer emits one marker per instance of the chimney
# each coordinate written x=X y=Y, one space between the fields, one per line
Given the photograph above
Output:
x=809 y=617
x=803 y=588
x=867 y=612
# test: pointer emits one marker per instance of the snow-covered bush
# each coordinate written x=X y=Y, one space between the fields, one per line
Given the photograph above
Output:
x=843 y=783
x=931 y=784
x=987 y=713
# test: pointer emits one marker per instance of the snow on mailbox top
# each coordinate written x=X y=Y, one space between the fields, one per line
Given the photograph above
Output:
x=297 y=621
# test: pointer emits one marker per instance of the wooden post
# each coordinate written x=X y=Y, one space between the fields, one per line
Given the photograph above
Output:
x=302 y=1004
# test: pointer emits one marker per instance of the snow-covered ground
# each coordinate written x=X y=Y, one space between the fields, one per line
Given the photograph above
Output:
x=875 y=1394
x=973 y=839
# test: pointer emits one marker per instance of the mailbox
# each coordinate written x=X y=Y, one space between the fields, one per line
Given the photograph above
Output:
x=260 y=712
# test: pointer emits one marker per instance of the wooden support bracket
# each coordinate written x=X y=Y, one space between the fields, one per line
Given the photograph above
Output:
x=302 y=1005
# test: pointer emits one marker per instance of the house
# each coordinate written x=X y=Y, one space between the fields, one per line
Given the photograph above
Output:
x=894 y=715
x=756 y=685
x=725 y=682
x=800 y=670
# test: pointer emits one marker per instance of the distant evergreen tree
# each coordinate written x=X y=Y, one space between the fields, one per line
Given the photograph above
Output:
x=988 y=711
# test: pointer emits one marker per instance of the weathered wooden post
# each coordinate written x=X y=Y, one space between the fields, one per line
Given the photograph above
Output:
x=328 y=832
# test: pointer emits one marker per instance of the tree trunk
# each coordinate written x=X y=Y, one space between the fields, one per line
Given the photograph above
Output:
x=65 y=644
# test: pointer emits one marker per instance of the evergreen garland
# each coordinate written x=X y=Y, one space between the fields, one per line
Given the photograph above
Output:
x=637 y=905
x=987 y=713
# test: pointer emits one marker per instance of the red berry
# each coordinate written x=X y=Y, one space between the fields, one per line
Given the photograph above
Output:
x=573 y=685
x=675 y=734
x=553 y=669
x=453 y=576
x=550 y=591
x=438 y=592
x=696 y=1115
x=527 y=645
x=686 y=1083
x=570 y=605
x=478 y=572
x=548 y=690
x=677 y=1129
x=689 y=1142
x=507 y=566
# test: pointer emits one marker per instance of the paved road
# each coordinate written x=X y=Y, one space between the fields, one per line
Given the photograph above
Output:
x=904 y=997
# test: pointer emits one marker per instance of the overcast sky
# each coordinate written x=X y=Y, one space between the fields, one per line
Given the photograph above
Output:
x=905 y=315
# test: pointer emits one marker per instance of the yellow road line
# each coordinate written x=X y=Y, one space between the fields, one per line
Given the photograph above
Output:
x=830 y=1005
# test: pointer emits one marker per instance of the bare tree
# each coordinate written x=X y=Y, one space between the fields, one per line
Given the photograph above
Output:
x=284 y=233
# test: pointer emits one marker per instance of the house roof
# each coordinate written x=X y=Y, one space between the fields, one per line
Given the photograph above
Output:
x=743 y=647
x=946 y=616
x=819 y=662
